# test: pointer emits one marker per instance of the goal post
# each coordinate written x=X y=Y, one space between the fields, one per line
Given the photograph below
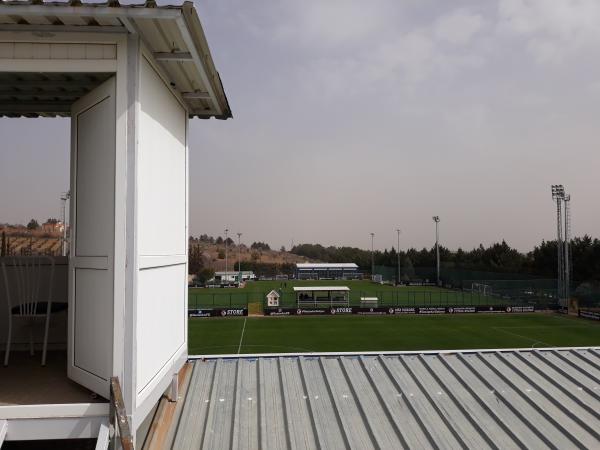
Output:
x=481 y=288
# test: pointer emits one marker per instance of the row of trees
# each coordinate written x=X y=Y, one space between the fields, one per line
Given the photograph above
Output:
x=206 y=239
x=34 y=224
x=499 y=257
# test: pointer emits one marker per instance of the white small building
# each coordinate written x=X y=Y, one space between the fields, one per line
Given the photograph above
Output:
x=233 y=277
x=273 y=298
x=327 y=271
x=129 y=77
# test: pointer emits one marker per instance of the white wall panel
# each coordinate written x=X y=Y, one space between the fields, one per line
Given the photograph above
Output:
x=161 y=168
x=161 y=314
x=161 y=232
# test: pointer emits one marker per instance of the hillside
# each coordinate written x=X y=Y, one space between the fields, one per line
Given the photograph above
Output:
x=213 y=255
x=20 y=241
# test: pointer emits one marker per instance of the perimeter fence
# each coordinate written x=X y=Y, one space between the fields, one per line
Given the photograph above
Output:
x=434 y=297
x=398 y=297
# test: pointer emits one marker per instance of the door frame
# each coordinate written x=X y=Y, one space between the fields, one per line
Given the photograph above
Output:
x=88 y=379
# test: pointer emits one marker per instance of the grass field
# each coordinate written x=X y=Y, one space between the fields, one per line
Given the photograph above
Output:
x=255 y=292
x=379 y=333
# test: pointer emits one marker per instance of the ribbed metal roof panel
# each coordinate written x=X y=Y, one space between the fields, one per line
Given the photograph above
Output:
x=506 y=399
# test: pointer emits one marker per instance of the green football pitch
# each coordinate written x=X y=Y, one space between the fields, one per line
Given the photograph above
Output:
x=388 y=333
x=255 y=292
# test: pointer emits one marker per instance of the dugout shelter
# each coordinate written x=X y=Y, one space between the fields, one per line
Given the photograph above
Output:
x=322 y=295
x=327 y=271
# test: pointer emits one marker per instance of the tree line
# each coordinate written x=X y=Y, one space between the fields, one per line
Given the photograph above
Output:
x=498 y=257
x=206 y=239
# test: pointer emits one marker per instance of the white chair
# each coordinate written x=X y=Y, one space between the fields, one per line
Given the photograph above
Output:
x=28 y=281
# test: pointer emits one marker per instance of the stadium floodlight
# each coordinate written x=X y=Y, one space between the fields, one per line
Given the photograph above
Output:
x=558 y=192
x=226 y=239
x=563 y=239
x=436 y=219
x=372 y=257
x=398 y=253
x=567 y=251
x=239 y=235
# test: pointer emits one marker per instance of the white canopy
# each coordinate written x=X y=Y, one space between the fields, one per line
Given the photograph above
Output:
x=332 y=266
x=321 y=288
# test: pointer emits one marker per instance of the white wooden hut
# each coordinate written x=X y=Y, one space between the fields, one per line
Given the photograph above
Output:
x=129 y=77
x=273 y=298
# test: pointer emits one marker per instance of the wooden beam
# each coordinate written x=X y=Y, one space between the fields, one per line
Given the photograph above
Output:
x=119 y=414
x=173 y=56
x=165 y=419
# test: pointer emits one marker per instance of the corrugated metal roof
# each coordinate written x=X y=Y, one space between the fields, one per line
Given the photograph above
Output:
x=502 y=399
x=173 y=33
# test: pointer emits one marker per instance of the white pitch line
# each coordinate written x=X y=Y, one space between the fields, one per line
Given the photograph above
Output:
x=242 y=336
x=521 y=336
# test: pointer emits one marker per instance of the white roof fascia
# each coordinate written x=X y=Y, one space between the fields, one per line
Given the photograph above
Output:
x=189 y=42
x=45 y=10
x=321 y=288
x=326 y=265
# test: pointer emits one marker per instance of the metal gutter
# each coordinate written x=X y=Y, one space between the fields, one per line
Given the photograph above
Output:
x=384 y=352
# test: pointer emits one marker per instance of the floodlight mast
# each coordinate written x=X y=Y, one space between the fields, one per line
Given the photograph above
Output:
x=398 y=253
x=239 y=235
x=436 y=219
x=563 y=237
x=64 y=197
x=372 y=258
x=568 y=265
x=226 y=239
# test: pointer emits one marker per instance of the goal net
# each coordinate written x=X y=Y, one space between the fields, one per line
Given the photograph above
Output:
x=481 y=288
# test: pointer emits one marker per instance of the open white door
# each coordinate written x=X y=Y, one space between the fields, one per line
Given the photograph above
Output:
x=91 y=264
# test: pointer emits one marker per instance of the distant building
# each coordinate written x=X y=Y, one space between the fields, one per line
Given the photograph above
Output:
x=53 y=226
x=273 y=298
x=233 y=277
x=327 y=271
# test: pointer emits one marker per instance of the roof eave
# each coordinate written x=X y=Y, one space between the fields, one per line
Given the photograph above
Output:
x=185 y=16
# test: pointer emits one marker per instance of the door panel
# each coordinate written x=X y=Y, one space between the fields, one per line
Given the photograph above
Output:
x=95 y=183
x=91 y=271
x=92 y=350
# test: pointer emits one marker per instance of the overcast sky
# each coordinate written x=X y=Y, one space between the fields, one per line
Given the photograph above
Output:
x=352 y=117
